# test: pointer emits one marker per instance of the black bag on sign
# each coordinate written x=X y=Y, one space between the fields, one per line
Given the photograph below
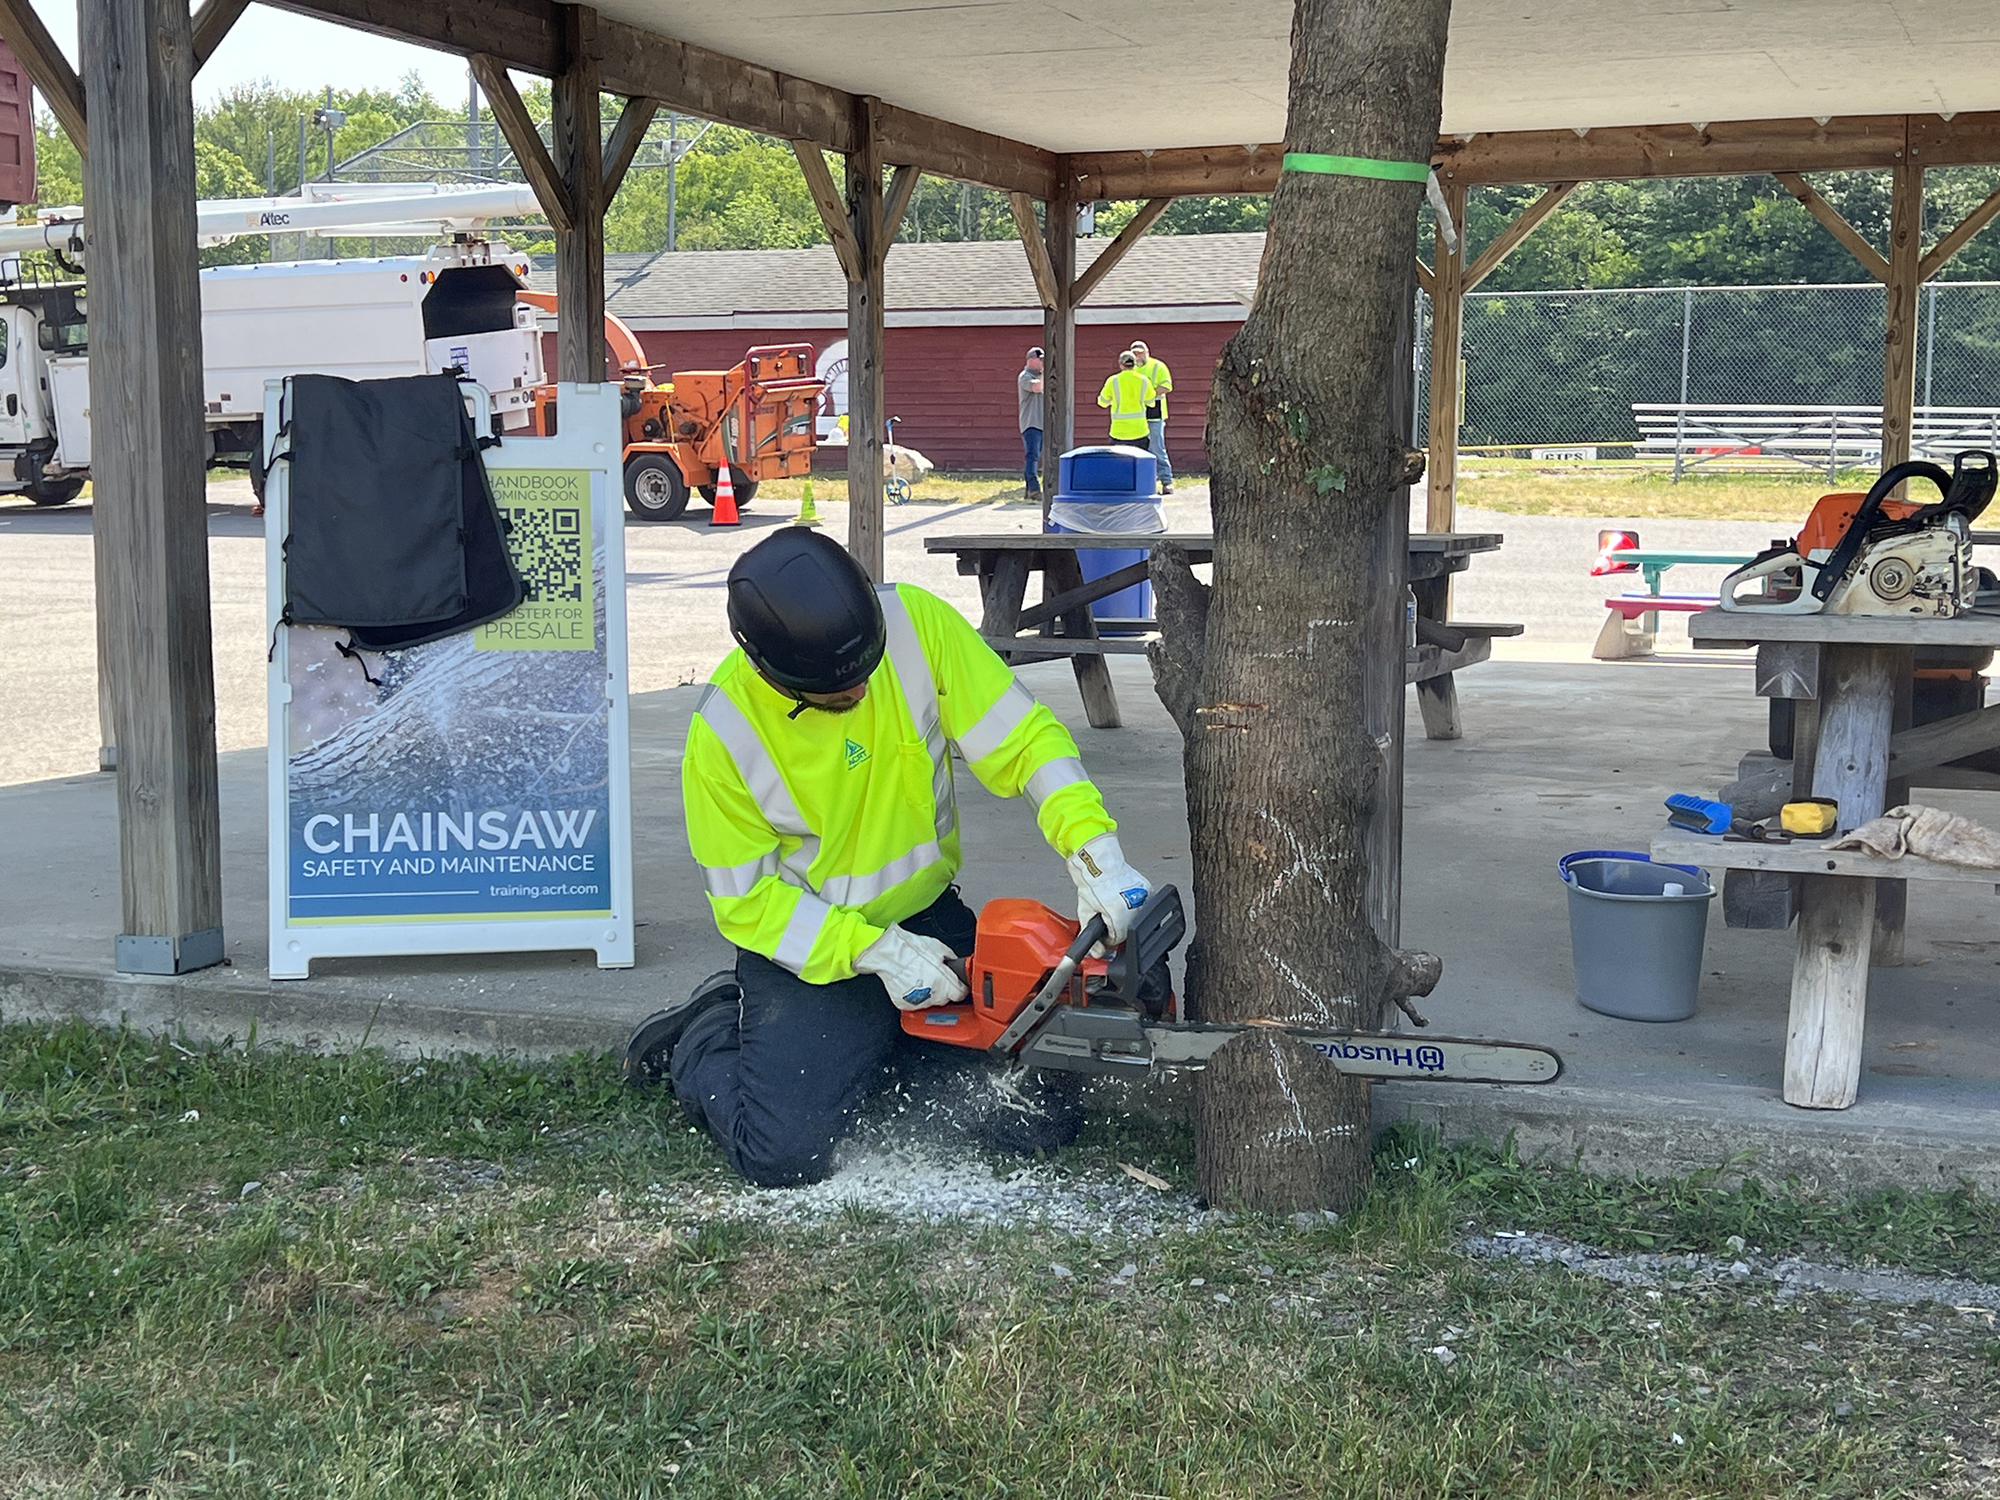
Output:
x=393 y=530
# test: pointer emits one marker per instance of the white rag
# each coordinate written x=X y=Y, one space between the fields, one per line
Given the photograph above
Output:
x=1928 y=833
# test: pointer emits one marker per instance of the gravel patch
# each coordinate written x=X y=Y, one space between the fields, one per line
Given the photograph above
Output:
x=1741 y=1266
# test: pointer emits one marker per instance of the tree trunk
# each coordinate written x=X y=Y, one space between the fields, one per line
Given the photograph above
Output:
x=1265 y=671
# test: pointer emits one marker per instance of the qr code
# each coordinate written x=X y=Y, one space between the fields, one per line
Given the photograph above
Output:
x=547 y=543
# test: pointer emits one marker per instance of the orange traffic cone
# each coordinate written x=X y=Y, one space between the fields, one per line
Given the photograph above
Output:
x=723 y=512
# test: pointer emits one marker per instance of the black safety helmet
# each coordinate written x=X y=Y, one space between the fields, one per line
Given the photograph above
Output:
x=805 y=613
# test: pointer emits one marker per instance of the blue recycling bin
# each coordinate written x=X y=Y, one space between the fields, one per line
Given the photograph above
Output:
x=1109 y=490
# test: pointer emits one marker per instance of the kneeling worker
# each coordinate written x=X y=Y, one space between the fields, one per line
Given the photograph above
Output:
x=818 y=786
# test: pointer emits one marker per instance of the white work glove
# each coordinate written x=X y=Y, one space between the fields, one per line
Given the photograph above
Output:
x=915 y=970
x=1107 y=887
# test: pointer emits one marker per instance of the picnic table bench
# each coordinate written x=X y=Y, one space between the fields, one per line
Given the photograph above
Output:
x=1063 y=627
x=1617 y=641
x=1851 y=742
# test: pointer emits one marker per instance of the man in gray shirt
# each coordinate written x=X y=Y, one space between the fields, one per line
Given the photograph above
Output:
x=1028 y=387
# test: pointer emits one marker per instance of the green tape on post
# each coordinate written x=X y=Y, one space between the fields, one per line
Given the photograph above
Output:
x=1356 y=166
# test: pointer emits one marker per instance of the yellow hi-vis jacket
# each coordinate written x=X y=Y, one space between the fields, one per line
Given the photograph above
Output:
x=815 y=832
x=1128 y=394
x=1161 y=379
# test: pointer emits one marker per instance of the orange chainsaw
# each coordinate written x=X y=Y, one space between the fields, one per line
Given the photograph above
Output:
x=1038 y=999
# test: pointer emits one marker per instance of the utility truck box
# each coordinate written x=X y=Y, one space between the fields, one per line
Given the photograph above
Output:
x=369 y=319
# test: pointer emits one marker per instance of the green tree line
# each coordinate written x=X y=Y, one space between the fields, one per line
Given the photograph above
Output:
x=739 y=191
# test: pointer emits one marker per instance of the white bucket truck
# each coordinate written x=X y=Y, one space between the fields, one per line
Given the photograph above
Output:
x=453 y=308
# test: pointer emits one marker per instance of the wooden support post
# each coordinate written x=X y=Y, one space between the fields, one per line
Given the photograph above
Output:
x=1829 y=992
x=61 y=89
x=1837 y=913
x=151 y=520
x=1899 y=364
x=1447 y=315
x=864 y=345
x=1059 y=373
x=576 y=144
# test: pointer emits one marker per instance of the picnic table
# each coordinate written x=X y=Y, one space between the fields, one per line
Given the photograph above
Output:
x=1851 y=742
x=1617 y=641
x=1063 y=627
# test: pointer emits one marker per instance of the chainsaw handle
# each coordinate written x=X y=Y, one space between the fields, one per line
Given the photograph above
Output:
x=1094 y=932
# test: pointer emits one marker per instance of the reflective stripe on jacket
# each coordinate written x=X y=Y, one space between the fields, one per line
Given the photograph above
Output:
x=1128 y=394
x=814 y=833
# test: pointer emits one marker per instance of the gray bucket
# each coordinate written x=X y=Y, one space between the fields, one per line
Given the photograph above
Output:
x=1637 y=947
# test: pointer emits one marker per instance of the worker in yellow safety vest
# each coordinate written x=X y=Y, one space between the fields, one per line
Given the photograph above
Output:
x=817 y=783
x=1127 y=394
x=1161 y=379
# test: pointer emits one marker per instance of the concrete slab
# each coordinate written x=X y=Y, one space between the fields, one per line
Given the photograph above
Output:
x=1560 y=755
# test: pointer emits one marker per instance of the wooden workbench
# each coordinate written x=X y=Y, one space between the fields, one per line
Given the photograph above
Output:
x=1849 y=675
x=1062 y=625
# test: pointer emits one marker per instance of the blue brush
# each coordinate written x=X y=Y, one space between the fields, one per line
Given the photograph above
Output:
x=1699 y=814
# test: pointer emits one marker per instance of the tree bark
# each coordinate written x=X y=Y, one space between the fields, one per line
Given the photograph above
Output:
x=1265 y=669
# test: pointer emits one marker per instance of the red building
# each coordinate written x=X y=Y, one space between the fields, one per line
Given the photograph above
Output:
x=960 y=317
x=17 y=132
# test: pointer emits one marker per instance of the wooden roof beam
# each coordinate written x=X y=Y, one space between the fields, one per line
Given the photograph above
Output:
x=518 y=126
x=1107 y=259
x=626 y=138
x=896 y=201
x=1029 y=228
x=23 y=30
x=1941 y=253
x=1509 y=239
x=1190 y=172
x=211 y=25
x=832 y=206
x=1872 y=260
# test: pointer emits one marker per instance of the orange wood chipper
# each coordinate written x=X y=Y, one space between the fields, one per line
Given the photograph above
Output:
x=759 y=417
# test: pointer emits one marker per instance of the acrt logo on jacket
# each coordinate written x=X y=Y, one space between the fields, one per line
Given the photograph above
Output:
x=855 y=754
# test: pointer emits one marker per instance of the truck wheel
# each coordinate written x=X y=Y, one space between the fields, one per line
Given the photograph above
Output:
x=654 y=489
x=746 y=491
x=55 y=491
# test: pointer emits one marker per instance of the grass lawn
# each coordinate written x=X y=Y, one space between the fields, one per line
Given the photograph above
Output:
x=273 y=1274
x=1644 y=492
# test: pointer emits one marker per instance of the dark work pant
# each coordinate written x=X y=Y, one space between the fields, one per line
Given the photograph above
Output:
x=1031 y=469
x=780 y=1079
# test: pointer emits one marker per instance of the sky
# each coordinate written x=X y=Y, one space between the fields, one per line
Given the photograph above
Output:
x=295 y=52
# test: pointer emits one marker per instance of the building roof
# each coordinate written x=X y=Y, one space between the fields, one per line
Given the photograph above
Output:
x=1125 y=74
x=1163 y=278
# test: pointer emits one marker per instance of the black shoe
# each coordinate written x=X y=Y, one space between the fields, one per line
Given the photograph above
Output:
x=652 y=1046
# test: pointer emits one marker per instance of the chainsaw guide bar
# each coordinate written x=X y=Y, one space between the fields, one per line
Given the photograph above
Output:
x=1103 y=1040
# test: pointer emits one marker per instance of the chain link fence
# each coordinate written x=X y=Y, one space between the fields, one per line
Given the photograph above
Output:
x=1565 y=369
